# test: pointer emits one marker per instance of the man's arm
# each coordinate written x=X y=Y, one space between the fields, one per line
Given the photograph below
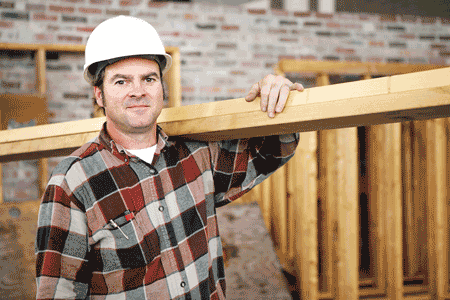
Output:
x=239 y=165
x=61 y=244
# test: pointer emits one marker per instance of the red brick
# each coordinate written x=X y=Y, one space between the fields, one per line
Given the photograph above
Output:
x=280 y=57
x=429 y=20
x=308 y=57
x=44 y=17
x=88 y=10
x=280 y=12
x=445 y=54
x=64 y=9
x=408 y=18
x=70 y=38
x=210 y=89
x=192 y=35
x=352 y=26
x=188 y=89
x=6 y=24
x=388 y=18
x=333 y=25
x=376 y=44
x=237 y=91
x=41 y=37
x=407 y=36
x=241 y=73
x=251 y=64
x=230 y=27
x=156 y=4
x=190 y=17
x=85 y=29
x=256 y=11
x=289 y=40
x=324 y=16
x=302 y=14
x=5 y=4
x=130 y=2
x=277 y=31
x=73 y=1
x=345 y=51
x=117 y=12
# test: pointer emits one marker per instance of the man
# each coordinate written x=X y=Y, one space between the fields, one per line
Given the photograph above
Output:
x=131 y=214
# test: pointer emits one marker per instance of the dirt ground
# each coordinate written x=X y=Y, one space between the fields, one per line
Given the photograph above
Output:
x=252 y=268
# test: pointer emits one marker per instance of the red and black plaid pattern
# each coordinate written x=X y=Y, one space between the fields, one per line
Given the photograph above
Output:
x=112 y=226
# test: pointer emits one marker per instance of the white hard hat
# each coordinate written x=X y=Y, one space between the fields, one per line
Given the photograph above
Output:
x=121 y=37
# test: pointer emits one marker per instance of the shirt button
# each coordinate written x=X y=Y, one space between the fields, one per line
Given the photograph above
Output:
x=161 y=208
x=126 y=159
x=183 y=284
x=152 y=171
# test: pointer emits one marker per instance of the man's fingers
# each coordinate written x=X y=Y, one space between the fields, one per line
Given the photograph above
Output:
x=297 y=86
x=253 y=93
x=284 y=93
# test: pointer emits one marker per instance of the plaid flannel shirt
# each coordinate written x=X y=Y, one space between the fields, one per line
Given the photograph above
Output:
x=112 y=226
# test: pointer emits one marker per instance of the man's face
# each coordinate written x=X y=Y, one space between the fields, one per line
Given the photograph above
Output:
x=132 y=95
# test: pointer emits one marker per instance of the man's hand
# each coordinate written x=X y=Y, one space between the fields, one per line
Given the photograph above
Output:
x=274 y=91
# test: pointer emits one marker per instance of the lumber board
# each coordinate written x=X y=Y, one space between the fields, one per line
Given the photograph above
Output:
x=360 y=103
x=347 y=68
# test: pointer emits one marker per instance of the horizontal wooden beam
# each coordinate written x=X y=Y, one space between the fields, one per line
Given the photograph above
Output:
x=415 y=96
x=55 y=47
x=350 y=68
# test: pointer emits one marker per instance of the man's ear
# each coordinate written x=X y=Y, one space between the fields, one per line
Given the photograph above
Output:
x=98 y=96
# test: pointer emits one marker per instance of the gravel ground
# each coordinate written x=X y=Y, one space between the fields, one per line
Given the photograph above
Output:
x=252 y=268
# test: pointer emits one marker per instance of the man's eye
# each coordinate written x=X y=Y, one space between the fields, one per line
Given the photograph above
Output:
x=120 y=82
x=150 y=79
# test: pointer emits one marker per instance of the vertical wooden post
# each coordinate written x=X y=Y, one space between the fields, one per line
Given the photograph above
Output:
x=436 y=177
x=305 y=200
x=347 y=214
x=386 y=187
x=41 y=87
x=175 y=74
x=279 y=208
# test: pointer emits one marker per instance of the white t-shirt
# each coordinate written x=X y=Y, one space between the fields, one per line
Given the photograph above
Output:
x=145 y=154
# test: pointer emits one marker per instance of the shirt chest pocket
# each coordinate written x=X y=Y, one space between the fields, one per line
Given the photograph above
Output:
x=118 y=232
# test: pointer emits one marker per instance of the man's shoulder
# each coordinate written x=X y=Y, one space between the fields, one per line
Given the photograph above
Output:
x=85 y=151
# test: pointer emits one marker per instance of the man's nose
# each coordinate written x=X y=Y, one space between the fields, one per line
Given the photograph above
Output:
x=137 y=90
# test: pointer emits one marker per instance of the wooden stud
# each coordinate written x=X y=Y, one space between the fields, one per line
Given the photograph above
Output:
x=305 y=204
x=174 y=75
x=279 y=209
x=436 y=177
x=385 y=187
x=347 y=250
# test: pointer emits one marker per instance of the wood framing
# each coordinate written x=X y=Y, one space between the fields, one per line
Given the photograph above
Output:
x=421 y=95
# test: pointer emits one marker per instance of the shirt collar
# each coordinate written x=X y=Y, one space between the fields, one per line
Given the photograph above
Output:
x=115 y=148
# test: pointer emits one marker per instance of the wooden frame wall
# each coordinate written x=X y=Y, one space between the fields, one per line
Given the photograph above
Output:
x=291 y=213
x=385 y=189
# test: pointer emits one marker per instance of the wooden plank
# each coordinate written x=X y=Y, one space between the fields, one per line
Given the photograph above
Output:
x=237 y=118
x=340 y=67
x=437 y=241
x=305 y=193
x=347 y=200
x=174 y=75
x=411 y=252
x=385 y=187
x=279 y=207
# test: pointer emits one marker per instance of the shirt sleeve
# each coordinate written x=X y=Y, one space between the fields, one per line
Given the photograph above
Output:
x=61 y=244
x=239 y=165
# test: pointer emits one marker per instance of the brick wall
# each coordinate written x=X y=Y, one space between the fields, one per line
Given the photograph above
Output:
x=223 y=49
